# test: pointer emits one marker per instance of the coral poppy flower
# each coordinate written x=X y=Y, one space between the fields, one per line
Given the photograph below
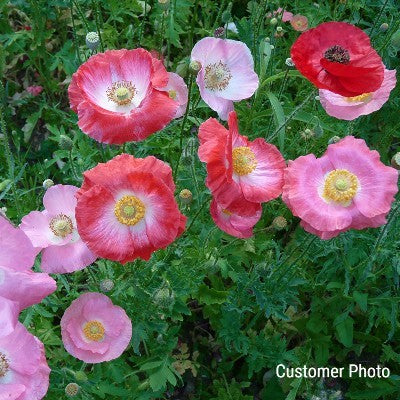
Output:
x=16 y=250
x=280 y=12
x=126 y=208
x=349 y=108
x=348 y=187
x=116 y=98
x=226 y=73
x=178 y=91
x=54 y=231
x=94 y=329
x=233 y=224
x=9 y=311
x=338 y=57
x=24 y=373
x=240 y=174
x=299 y=23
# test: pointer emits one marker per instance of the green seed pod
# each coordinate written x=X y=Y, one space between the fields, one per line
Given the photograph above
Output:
x=72 y=389
x=65 y=142
x=47 y=183
x=384 y=27
x=194 y=67
x=92 y=40
x=106 y=285
x=279 y=223
x=186 y=196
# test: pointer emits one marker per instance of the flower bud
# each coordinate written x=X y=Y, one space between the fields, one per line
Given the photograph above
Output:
x=279 y=29
x=92 y=40
x=279 y=223
x=164 y=4
x=106 y=285
x=47 y=183
x=273 y=21
x=219 y=32
x=395 y=40
x=289 y=62
x=65 y=142
x=384 y=27
x=333 y=139
x=186 y=196
x=80 y=376
x=4 y=184
x=194 y=66
x=72 y=389
x=3 y=211
x=396 y=161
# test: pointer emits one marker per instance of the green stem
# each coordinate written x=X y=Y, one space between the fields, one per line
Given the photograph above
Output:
x=71 y=163
x=378 y=18
x=96 y=9
x=78 y=54
x=198 y=213
x=162 y=32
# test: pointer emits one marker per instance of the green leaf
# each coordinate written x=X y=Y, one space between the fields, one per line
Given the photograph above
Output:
x=279 y=118
x=344 y=330
x=209 y=296
x=361 y=299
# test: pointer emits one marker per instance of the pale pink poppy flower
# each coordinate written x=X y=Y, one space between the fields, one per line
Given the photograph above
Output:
x=24 y=373
x=9 y=311
x=16 y=250
x=178 y=91
x=226 y=74
x=54 y=231
x=299 y=23
x=349 y=108
x=286 y=15
x=94 y=329
x=347 y=188
x=34 y=90
x=233 y=224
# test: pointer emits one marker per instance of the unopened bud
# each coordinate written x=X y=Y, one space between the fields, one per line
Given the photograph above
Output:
x=279 y=223
x=106 y=285
x=65 y=142
x=384 y=27
x=92 y=40
x=273 y=21
x=333 y=139
x=186 y=196
x=279 y=29
x=72 y=389
x=4 y=184
x=395 y=40
x=47 y=183
x=164 y=4
x=219 y=32
x=396 y=161
x=289 y=62
x=194 y=66
x=80 y=376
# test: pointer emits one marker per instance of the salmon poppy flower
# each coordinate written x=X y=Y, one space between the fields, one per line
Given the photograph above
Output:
x=126 y=208
x=116 y=96
x=349 y=108
x=54 y=232
x=347 y=188
x=240 y=174
x=24 y=373
x=94 y=330
x=178 y=91
x=226 y=73
x=338 y=57
x=233 y=224
x=299 y=23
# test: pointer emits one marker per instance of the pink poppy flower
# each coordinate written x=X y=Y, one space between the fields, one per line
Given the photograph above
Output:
x=34 y=90
x=347 y=188
x=116 y=96
x=178 y=91
x=94 y=329
x=54 y=231
x=299 y=23
x=240 y=174
x=9 y=311
x=286 y=15
x=233 y=224
x=24 y=373
x=349 y=108
x=226 y=73
x=16 y=250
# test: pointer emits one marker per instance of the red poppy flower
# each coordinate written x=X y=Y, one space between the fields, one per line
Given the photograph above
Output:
x=126 y=208
x=338 y=57
x=116 y=96
x=240 y=174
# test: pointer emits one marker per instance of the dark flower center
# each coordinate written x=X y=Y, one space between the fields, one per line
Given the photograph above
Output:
x=337 y=54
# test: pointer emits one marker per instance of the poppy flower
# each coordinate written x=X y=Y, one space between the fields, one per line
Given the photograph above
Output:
x=24 y=373
x=9 y=311
x=34 y=90
x=347 y=188
x=116 y=96
x=349 y=108
x=338 y=57
x=280 y=12
x=226 y=74
x=233 y=224
x=240 y=174
x=94 y=330
x=178 y=91
x=126 y=208
x=299 y=23
x=54 y=231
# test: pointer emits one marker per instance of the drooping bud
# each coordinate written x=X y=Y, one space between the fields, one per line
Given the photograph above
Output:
x=273 y=21
x=333 y=139
x=65 y=142
x=47 y=183
x=106 y=285
x=72 y=389
x=185 y=196
x=194 y=66
x=384 y=27
x=396 y=161
x=219 y=32
x=92 y=40
x=289 y=62
x=279 y=223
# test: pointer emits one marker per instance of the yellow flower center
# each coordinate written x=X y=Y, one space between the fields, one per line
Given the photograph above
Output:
x=129 y=210
x=365 y=97
x=61 y=225
x=244 y=160
x=172 y=94
x=227 y=212
x=121 y=92
x=94 y=330
x=340 y=186
x=217 y=76
x=4 y=365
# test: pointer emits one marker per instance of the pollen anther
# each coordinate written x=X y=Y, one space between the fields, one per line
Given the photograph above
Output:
x=129 y=210
x=217 y=76
x=340 y=186
x=365 y=97
x=4 y=365
x=244 y=160
x=121 y=92
x=61 y=225
x=94 y=330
